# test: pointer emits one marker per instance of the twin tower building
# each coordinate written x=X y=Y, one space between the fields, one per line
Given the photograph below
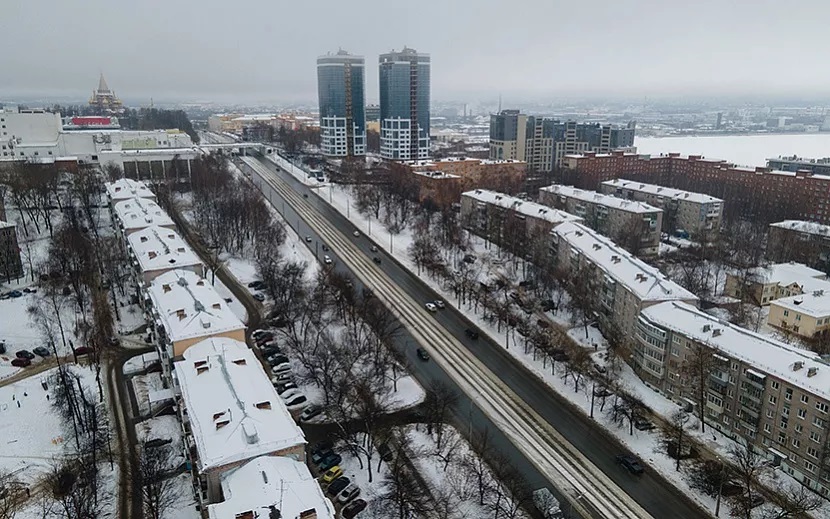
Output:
x=404 y=104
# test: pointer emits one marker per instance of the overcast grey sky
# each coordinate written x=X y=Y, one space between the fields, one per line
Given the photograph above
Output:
x=258 y=50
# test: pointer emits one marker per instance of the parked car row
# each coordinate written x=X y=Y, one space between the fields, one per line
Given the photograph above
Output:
x=337 y=486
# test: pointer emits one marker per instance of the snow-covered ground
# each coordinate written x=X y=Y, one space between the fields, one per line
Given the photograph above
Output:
x=143 y=385
x=359 y=474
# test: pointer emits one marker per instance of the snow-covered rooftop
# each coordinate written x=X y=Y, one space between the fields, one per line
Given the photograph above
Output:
x=815 y=303
x=235 y=413
x=593 y=197
x=666 y=192
x=804 y=226
x=138 y=213
x=789 y=273
x=763 y=353
x=158 y=248
x=188 y=306
x=125 y=188
x=268 y=481
x=643 y=280
x=530 y=209
x=6 y=225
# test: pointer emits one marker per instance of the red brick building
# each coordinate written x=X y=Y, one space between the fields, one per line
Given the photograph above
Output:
x=761 y=194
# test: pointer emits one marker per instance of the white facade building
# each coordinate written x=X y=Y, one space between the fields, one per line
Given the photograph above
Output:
x=127 y=188
x=156 y=250
x=136 y=213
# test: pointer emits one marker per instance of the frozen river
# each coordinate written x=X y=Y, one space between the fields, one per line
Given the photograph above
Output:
x=744 y=150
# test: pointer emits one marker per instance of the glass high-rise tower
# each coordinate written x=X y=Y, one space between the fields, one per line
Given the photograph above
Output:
x=340 y=87
x=404 y=105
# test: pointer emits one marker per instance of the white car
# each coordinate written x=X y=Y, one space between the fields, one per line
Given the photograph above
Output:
x=296 y=401
x=373 y=248
x=431 y=307
x=256 y=334
x=356 y=234
x=348 y=493
x=439 y=304
x=288 y=394
x=327 y=259
x=279 y=369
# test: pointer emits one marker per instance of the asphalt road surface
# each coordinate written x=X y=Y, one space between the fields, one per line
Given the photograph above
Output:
x=650 y=490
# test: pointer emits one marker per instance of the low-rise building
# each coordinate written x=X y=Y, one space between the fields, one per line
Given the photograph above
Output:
x=231 y=413
x=634 y=225
x=186 y=309
x=806 y=315
x=760 y=391
x=11 y=267
x=762 y=285
x=157 y=250
x=271 y=484
x=801 y=241
x=508 y=221
x=695 y=213
x=622 y=284
x=135 y=214
x=127 y=188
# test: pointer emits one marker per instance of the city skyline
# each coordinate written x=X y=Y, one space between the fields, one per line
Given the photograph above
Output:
x=606 y=49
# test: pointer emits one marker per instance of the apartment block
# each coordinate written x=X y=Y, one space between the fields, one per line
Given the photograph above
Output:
x=806 y=315
x=794 y=164
x=633 y=225
x=230 y=413
x=508 y=221
x=761 y=193
x=762 y=285
x=623 y=285
x=771 y=395
x=134 y=214
x=127 y=188
x=11 y=267
x=801 y=241
x=695 y=213
x=157 y=250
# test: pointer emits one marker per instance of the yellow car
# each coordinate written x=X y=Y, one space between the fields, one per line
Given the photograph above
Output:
x=332 y=474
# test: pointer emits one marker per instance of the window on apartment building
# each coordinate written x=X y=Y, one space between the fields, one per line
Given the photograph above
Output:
x=765 y=441
x=816 y=437
x=788 y=394
x=770 y=414
x=783 y=424
x=802 y=413
x=775 y=384
x=786 y=313
x=782 y=438
x=728 y=406
x=767 y=428
x=773 y=399
x=818 y=422
x=822 y=407
x=730 y=393
x=796 y=443
x=809 y=466
x=726 y=419
x=812 y=452
x=734 y=366
x=805 y=399
x=797 y=317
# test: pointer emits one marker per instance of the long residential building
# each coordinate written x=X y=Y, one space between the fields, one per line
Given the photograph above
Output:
x=186 y=309
x=340 y=86
x=508 y=221
x=156 y=250
x=135 y=214
x=634 y=225
x=761 y=194
x=805 y=315
x=543 y=142
x=794 y=164
x=127 y=188
x=762 y=285
x=695 y=213
x=230 y=413
x=761 y=391
x=801 y=241
x=271 y=484
x=622 y=284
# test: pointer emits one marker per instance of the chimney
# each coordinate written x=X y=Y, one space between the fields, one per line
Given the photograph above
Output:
x=309 y=514
x=707 y=327
x=716 y=332
x=166 y=287
x=797 y=365
x=812 y=372
x=180 y=314
x=250 y=433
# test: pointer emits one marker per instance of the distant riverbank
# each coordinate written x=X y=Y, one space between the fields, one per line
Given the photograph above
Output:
x=745 y=150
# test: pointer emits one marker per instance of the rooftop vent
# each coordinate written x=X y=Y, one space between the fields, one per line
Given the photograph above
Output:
x=250 y=432
x=818 y=293
x=716 y=332
x=240 y=362
x=707 y=327
x=180 y=249
x=797 y=365
x=263 y=405
x=615 y=258
x=205 y=324
x=152 y=254
x=143 y=239
x=201 y=283
x=216 y=306
x=812 y=372
x=597 y=246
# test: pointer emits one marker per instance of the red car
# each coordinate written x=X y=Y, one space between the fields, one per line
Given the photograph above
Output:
x=83 y=350
x=21 y=362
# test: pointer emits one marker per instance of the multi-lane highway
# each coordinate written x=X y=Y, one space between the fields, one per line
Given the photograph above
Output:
x=576 y=456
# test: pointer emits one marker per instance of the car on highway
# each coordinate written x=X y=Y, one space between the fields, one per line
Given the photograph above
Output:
x=259 y=296
x=337 y=485
x=630 y=463
x=24 y=354
x=42 y=352
x=325 y=248
x=356 y=234
x=376 y=259
x=327 y=259
x=431 y=307
x=332 y=460
x=20 y=362
x=472 y=334
x=348 y=493
x=332 y=474
x=422 y=354
x=440 y=304
x=352 y=509
x=311 y=412
x=373 y=248
x=308 y=239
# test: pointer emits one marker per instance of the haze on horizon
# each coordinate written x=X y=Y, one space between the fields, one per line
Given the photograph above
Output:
x=266 y=50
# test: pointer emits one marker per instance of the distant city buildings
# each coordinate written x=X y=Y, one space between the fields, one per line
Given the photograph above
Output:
x=693 y=213
x=404 y=105
x=104 y=100
x=794 y=164
x=238 y=123
x=443 y=180
x=373 y=112
x=544 y=142
x=340 y=87
x=633 y=225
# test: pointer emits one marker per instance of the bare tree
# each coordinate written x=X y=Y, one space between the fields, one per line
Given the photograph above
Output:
x=155 y=476
x=676 y=437
x=12 y=496
x=440 y=399
x=696 y=369
x=792 y=501
x=749 y=466
x=402 y=498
